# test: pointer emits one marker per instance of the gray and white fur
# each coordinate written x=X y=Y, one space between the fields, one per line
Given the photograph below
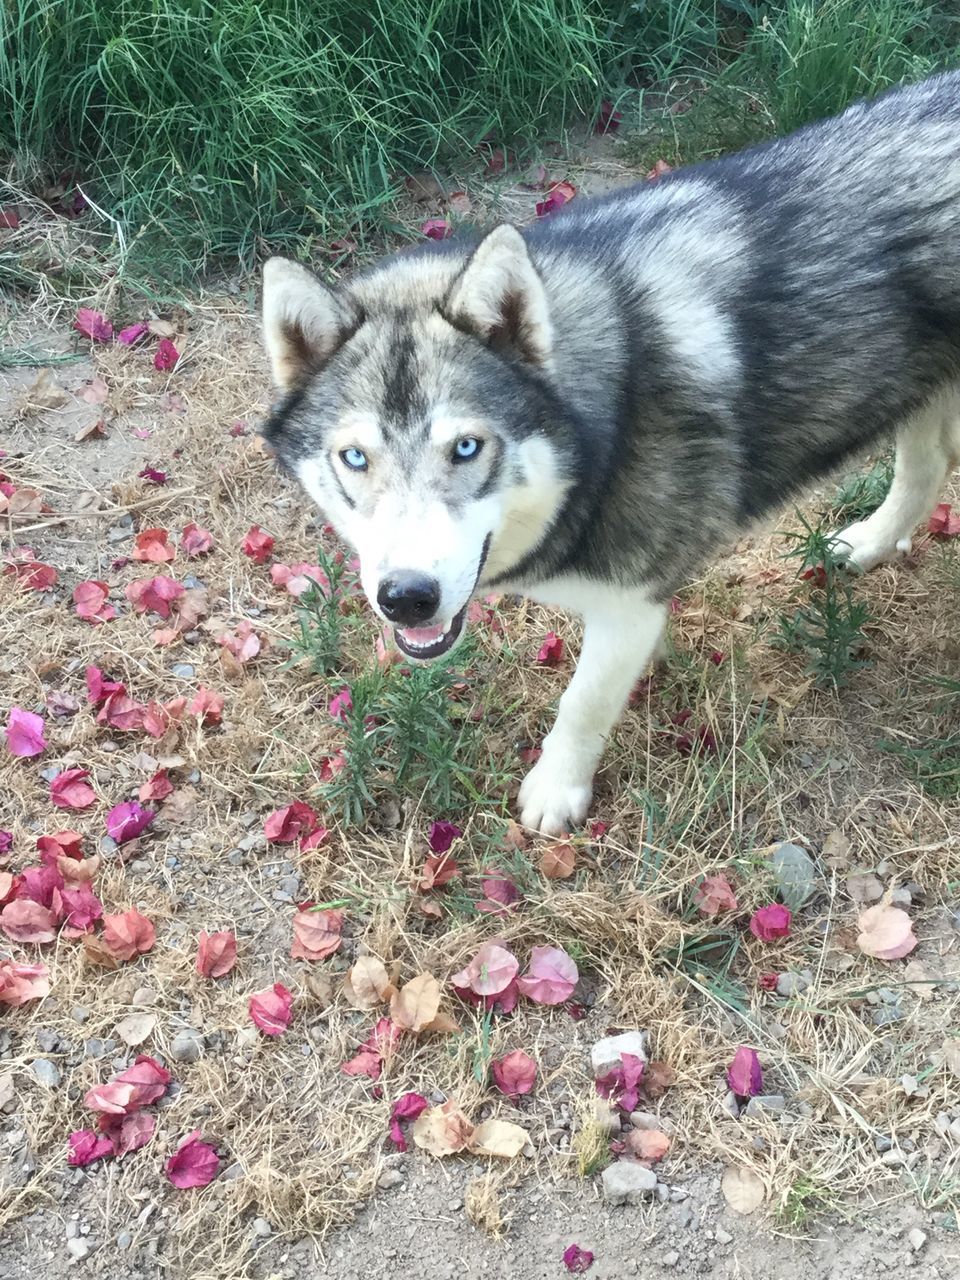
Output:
x=585 y=409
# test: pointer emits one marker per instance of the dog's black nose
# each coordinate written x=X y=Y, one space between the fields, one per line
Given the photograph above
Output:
x=409 y=599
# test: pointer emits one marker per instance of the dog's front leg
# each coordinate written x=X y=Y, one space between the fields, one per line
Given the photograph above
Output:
x=621 y=628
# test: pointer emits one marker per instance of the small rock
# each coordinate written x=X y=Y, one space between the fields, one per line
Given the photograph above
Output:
x=145 y=997
x=765 y=1103
x=78 y=1248
x=731 y=1105
x=606 y=1055
x=627 y=1183
x=108 y=844
x=893 y=1158
x=670 y=1259
x=124 y=1239
x=901 y=897
x=389 y=1178
x=184 y=670
x=455 y=1205
x=187 y=1045
x=916 y=1238
x=607 y=1116
x=289 y=885
x=8 y=1095
x=662 y=1192
x=72 y=1229
x=46 y=1072
x=887 y=1014
x=791 y=984
x=261 y=1227
x=882 y=1143
x=723 y=1236
x=647 y=1120
x=236 y=857
x=679 y=1194
x=79 y=1015
x=954 y=1130
x=48 y=1040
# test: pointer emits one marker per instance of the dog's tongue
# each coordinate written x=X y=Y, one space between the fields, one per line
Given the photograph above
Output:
x=422 y=636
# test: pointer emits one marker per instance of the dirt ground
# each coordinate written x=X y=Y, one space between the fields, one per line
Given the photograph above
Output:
x=862 y=1153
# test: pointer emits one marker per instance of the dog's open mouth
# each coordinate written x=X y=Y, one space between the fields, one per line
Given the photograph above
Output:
x=430 y=642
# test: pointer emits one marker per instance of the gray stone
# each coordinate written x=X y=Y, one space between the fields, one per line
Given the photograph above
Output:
x=791 y=984
x=389 y=1178
x=679 y=1194
x=46 y=1072
x=93 y=1048
x=607 y=1116
x=79 y=1015
x=261 y=1227
x=888 y=1014
x=731 y=1105
x=723 y=1236
x=627 y=1183
x=916 y=1238
x=124 y=1239
x=255 y=840
x=901 y=897
x=882 y=1143
x=289 y=885
x=48 y=1040
x=607 y=1054
x=185 y=670
x=893 y=1158
x=670 y=1259
x=236 y=857
x=79 y=1248
x=764 y=1104
x=662 y=1193
x=647 y=1120
x=187 y=1045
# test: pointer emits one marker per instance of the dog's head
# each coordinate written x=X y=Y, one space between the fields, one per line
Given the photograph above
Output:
x=418 y=415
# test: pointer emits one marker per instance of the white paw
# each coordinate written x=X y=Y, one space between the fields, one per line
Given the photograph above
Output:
x=556 y=793
x=864 y=547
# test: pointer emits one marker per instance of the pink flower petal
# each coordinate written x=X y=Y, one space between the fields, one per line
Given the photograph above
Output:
x=270 y=1010
x=25 y=733
x=490 y=971
x=745 y=1075
x=551 y=976
x=770 y=923
x=194 y=1163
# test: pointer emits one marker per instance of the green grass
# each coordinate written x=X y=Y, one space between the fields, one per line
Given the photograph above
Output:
x=222 y=128
x=935 y=761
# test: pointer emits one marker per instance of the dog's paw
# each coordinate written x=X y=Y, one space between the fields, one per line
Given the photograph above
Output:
x=555 y=794
x=863 y=546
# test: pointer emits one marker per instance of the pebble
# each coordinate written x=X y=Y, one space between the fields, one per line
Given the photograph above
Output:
x=185 y=670
x=255 y=840
x=917 y=1239
x=261 y=1227
x=187 y=1045
x=606 y=1055
x=893 y=1158
x=765 y=1102
x=79 y=1015
x=670 y=1259
x=731 y=1105
x=289 y=885
x=647 y=1120
x=124 y=1239
x=72 y=1229
x=791 y=984
x=78 y=1248
x=108 y=844
x=662 y=1192
x=389 y=1178
x=882 y=1143
x=145 y=996
x=679 y=1194
x=607 y=1116
x=48 y=1040
x=901 y=897
x=46 y=1072
x=723 y=1236
x=627 y=1183
x=236 y=857
x=887 y=1014
x=118 y=534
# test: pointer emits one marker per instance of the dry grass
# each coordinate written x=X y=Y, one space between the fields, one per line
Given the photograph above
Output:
x=303 y=1144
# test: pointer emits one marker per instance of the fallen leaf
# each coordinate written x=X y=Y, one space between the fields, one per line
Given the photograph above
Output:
x=558 y=861
x=438 y=870
x=742 y=1189
x=770 y=923
x=154 y=595
x=886 y=933
x=316 y=934
x=94 y=392
x=490 y=971
x=93 y=325
x=153 y=476
x=366 y=985
x=713 y=895
x=193 y=1164
x=270 y=1010
x=153 y=545
x=24 y=732
x=92 y=431
x=156 y=788
x=257 y=544
x=943 y=523
x=407 y=1107
x=951 y=1056
x=45 y=393
x=22 y=982
x=134 y=1029
x=417 y=1003
x=745 y=1075
x=26 y=921
x=514 y=1074
x=90 y=601
x=551 y=976
x=68 y=790
x=498 y=1138
x=94 y=952
x=437 y=229
x=128 y=1133
x=796 y=874
x=195 y=541
x=128 y=934
x=622 y=1084
x=577 y=1260
x=550 y=652
x=81 y=905
x=166 y=358
x=127 y=821
x=216 y=953
x=84 y=1146
x=443 y=1130
x=138 y=1086
x=290 y=823
x=133 y=333
x=442 y=836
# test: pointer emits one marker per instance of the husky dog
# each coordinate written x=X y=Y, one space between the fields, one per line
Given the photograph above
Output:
x=581 y=411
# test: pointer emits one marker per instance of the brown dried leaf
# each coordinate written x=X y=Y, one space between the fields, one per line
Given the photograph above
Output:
x=742 y=1189
x=558 y=860
x=442 y=1130
x=498 y=1138
x=135 y=1029
x=367 y=984
x=416 y=1004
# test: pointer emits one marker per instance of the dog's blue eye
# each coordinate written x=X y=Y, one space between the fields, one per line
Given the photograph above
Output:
x=355 y=459
x=466 y=448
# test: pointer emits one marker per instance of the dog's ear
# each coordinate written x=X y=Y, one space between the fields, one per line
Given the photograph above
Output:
x=304 y=322
x=500 y=298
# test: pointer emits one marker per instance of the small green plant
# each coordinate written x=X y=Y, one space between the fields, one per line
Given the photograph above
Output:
x=804 y=1198
x=858 y=496
x=320 y=621
x=935 y=762
x=828 y=626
